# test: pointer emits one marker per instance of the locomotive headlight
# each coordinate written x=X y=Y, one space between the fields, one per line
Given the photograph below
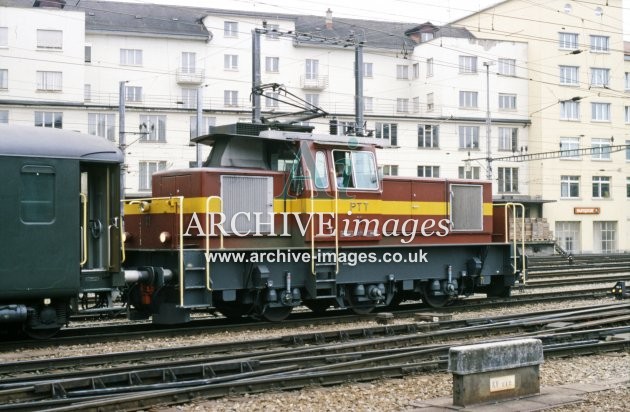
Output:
x=47 y=301
x=165 y=237
x=145 y=206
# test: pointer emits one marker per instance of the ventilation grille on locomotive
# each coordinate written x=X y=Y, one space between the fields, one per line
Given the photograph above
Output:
x=466 y=207
x=247 y=195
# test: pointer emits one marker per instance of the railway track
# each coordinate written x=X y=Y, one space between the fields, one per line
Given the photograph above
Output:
x=134 y=331
x=292 y=362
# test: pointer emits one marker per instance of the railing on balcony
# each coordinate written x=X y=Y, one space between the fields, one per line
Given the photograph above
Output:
x=189 y=76
x=314 y=82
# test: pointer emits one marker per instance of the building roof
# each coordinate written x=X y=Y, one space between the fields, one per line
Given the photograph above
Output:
x=186 y=22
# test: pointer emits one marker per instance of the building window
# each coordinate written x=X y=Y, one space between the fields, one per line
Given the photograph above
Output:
x=569 y=75
x=230 y=29
x=387 y=131
x=189 y=98
x=272 y=64
x=271 y=100
x=626 y=81
x=130 y=57
x=428 y=136
x=507 y=101
x=627 y=150
x=600 y=112
x=230 y=98
x=230 y=62
x=508 y=180
x=206 y=122
x=49 y=119
x=4 y=37
x=146 y=170
x=402 y=72
x=390 y=170
x=87 y=92
x=402 y=105
x=626 y=111
x=600 y=149
x=415 y=103
x=430 y=67
x=368 y=70
x=599 y=77
x=599 y=44
x=428 y=171
x=272 y=32
x=50 y=39
x=568 y=41
x=508 y=139
x=569 y=110
x=469 y=137
x=467 y=100
x=312 y=99
x=4 y=116
x=568 y=236
x=87 y=53
x=49 y=81
x=4 y=79
x=601 y=187
x=627 y=181
x=416 y=70
x=189 y=62
x=133 y=93
x=430 y=104
x=467 y=64
x=507 y=67
x=368 y=104
x=605 y=234
x=569 y=187
x=424 y=37
x=153 y=128
x=102 y=124
x=464 y=172
x=312 y=69
x=569 y=147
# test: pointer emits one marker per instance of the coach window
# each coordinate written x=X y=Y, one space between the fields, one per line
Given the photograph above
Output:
x=321 y=171
x=37 y=198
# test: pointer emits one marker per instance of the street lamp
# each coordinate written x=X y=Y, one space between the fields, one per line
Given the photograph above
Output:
x=488 y=151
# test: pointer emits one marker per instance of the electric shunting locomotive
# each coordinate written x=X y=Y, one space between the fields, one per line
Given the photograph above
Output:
x=277 y=217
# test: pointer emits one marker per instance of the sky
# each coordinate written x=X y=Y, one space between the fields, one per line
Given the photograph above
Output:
x=414 y=11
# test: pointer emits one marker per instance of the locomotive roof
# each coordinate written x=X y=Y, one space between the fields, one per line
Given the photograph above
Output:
x=55 y=143
x=284 y=133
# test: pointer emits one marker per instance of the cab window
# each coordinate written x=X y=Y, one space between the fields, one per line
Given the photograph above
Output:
x=321 y=171
x=355 y=169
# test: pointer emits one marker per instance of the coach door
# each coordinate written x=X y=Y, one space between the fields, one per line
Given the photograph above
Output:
x=100 y=220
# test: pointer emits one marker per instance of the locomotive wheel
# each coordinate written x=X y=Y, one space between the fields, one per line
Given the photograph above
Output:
x=45 y=333
x=435 y=301
x=275 y=314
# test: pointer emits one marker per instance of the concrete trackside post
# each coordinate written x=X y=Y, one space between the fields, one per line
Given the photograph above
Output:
x=495 y=371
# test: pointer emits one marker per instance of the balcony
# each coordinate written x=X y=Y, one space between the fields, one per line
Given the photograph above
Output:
x=314 y=82
x=189 y=76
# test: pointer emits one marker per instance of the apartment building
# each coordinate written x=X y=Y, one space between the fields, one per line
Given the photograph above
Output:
x=428 y=92
x=578 y=103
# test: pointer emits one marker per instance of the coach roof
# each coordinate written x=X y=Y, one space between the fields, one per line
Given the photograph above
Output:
x=29 y=141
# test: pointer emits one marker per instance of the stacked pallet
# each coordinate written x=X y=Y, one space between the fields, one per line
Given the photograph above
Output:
x=536 y=229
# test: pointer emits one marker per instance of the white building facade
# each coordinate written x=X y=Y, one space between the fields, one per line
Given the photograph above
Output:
x=426 y=94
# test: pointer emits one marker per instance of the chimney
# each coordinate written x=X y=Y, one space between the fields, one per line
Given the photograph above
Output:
x=329 y=25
